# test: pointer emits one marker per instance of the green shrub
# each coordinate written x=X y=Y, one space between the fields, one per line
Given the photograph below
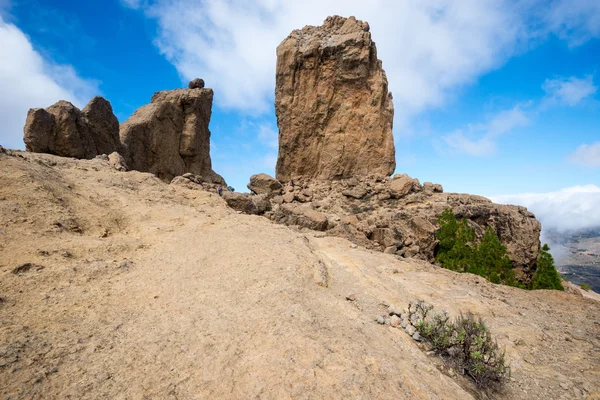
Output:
x=546 y=276
x=585 y=286
x=466 y=345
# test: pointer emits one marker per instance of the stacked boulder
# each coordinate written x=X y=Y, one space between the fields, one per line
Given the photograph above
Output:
x=170 y=136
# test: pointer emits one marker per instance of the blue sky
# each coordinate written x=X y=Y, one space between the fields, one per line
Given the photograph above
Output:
x=491 y=97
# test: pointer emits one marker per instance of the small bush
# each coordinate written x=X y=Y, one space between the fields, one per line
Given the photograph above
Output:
x=585 y=286
x=467 y=345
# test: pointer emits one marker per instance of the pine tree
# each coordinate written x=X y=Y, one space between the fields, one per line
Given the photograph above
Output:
x=492 y=260
x=446 y=235
x=546 y=276
x=455 y=238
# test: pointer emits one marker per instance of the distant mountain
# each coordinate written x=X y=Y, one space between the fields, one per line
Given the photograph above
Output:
x=577 y=254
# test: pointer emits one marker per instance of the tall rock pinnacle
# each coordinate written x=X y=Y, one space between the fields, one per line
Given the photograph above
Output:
x=333 y=107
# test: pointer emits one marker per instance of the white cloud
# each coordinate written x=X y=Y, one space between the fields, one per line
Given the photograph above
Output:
x=569 y=91
x=27 y=80
x=568 y=209
x=575 y=21
x=586 y=155
x=428 y=47
x=480 y=139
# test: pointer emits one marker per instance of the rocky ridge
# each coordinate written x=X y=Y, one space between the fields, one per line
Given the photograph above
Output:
x=333 y=107
x=396 y=215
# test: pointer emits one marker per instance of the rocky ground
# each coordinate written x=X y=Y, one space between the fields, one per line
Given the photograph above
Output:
x=116 y=285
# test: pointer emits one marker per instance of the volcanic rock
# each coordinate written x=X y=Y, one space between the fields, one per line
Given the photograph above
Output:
x=197 y=83
x=293 y=214
x=64 y=130
x=264 y=184
x=170 y=136
x=103 y=125
x=333 y=107
x=247 y=203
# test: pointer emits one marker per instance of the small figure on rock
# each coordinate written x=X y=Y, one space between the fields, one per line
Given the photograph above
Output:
x=197 y=83
x=220 y=190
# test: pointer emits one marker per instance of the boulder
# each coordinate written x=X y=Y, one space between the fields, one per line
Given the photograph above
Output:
x=170 y=136
x=247 y=203
x=197 y=83
x=356 y=192
x=117 y=161
x=402 y=185
x=333 y=107
x=103 y=125
x=64 y=130
x=264 y=184
x=301 y=215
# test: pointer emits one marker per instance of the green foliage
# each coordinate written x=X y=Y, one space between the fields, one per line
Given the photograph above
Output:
x=491 y=260
x=546 y=276
x=459 y=251
x=231 y=189
x=467 y=345
x=585 y=286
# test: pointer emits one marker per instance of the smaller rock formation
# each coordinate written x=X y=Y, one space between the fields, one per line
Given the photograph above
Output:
x=64 y=130
x=170 y=136
x=197 y=83
x=334 y=111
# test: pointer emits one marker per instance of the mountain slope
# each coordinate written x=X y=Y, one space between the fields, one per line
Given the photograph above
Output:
x=151 y=290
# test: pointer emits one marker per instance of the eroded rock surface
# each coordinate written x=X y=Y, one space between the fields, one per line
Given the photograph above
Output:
x=333 y=107
x=170 y=136
x=64 y=130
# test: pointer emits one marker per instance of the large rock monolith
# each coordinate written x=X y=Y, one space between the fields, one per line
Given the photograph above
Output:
x=333 y=107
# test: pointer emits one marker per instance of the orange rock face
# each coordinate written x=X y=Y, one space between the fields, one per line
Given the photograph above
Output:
x=333 y=107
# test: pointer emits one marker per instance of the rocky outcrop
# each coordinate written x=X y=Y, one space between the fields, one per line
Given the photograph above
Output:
x=64 y=130
x=400 y=216
x=333 y=107
x=170 y=136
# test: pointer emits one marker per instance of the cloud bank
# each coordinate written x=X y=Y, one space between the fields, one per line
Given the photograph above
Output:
x=569 y=209
x=28 y=80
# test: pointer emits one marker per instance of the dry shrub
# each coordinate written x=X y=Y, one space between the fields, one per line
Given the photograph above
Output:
x=466 y=344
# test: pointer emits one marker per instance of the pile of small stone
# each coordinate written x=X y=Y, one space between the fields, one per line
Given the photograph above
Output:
x=408 y=320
